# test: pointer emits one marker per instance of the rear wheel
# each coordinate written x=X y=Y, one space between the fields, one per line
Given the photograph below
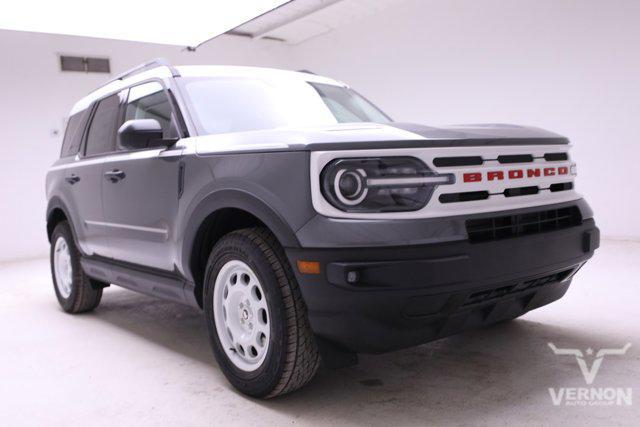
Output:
x=75 y=291
x=256 y=318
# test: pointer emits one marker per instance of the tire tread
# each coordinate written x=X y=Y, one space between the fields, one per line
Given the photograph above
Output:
x=88 y=292
x=302 y=355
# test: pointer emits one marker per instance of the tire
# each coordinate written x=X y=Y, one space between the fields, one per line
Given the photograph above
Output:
x=286 y=357
x=76 y=292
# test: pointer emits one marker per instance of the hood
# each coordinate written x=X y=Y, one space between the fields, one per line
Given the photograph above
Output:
x=349 y=136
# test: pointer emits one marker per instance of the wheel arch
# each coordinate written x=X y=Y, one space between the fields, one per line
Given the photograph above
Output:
x=56 y=213
x=218 y=214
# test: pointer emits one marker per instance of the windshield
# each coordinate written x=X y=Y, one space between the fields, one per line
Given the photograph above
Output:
x=237 y=104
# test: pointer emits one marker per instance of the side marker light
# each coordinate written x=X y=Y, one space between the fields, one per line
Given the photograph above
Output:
x=308 y=267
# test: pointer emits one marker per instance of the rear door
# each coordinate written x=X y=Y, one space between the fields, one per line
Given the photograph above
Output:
x=140 y=200
x=86 y=176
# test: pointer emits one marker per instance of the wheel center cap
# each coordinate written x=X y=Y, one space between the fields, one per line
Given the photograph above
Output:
x=245 y=314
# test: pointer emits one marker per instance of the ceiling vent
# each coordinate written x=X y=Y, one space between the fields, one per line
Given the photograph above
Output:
x=84 y=64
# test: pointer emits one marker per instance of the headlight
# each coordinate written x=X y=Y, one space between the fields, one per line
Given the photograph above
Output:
x=385 y=184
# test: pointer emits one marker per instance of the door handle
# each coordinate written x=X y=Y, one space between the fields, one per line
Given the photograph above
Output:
x=114 y=175
x=72 y=179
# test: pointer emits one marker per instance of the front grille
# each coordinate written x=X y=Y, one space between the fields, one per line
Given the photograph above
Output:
x=515 y=158
x=495 y=293
x=556 y=157
x=521 y=191
x=504 y=227
x=503 y=159
x=446 y=162
x=468 y=196
x=564 y=186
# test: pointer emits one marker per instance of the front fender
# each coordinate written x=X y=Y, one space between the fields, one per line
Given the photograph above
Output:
x=237 y=199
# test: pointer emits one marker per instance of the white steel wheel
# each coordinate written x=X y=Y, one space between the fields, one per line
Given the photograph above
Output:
x=75 y=291
x=242 y=317
x=255 y=316
x=63 y=268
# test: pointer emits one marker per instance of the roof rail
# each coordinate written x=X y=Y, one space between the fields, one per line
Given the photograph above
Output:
x=154 y=63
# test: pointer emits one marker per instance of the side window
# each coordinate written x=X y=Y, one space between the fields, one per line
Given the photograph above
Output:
x=73 y=135
x=150 y=101
x=101 y=137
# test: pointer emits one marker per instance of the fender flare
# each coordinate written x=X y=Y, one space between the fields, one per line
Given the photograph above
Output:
x=56 y=203
x=238 y=199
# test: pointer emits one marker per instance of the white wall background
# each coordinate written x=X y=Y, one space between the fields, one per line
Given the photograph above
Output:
x=567 y=65
x=35 y=98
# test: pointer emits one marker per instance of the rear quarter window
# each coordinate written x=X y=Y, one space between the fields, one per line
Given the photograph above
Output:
x=73 y=135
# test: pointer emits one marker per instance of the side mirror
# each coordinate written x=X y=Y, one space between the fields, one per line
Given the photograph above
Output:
x=139 y=134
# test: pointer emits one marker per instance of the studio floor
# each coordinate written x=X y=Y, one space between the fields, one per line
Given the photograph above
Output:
x=138 y=359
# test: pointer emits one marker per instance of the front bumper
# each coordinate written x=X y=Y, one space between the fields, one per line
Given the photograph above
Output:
x=377 y=299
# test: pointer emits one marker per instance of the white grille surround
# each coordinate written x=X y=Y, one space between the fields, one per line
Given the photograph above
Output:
x=496 y=201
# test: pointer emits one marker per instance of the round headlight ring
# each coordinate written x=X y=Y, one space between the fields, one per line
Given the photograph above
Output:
x=361 y=190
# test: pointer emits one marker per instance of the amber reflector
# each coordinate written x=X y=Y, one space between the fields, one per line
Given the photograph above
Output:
x=309 y=267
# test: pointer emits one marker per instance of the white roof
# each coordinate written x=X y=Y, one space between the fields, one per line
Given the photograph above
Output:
x=251 y=72
x=200 y=71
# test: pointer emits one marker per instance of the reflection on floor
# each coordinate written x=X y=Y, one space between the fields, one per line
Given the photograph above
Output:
x=138 y=359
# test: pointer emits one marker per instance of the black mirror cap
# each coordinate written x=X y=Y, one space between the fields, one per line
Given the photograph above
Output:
x=139 y=134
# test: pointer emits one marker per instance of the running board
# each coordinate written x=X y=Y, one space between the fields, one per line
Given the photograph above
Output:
x=139 y=279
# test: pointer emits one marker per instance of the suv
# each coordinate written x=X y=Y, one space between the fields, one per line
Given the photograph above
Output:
x=302 y=220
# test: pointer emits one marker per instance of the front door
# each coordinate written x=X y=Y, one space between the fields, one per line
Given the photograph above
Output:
x=140 y=192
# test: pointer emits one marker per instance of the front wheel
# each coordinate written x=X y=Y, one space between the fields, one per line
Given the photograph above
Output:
x=256 y=318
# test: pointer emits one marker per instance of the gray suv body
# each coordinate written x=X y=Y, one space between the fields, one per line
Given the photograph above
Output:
x=303 y=220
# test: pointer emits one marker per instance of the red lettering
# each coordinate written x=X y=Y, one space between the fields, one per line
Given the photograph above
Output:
x=516 y=174
x=472 y=177
x=495 y=175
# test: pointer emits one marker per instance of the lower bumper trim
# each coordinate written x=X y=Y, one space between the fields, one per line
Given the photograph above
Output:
x=405 y=296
